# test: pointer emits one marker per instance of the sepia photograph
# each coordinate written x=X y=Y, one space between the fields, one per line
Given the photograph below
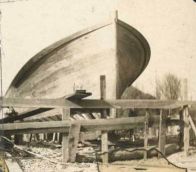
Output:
x=97 y=85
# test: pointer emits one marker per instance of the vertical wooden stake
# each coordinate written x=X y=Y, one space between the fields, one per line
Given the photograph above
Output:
x=102 y=87
x=162 y=132
x=192 y=124
x=186 y=130
x=74 y=134
x=104 y=134
x=181 y=132
x=113 y=113
x=53 y=137
x=58 y=137
x=104 y=146
x=146 y=135
x=46 y=136
x=65 y=139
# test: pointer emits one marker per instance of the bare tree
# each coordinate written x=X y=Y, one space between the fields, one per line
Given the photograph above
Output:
x=169 y=88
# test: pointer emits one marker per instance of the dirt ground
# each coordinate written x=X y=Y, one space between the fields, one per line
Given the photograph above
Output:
x=182 y=161
x=50 y=161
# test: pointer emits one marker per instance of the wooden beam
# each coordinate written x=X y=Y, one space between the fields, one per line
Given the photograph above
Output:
x=146 y=135
x=24 y=115
x=104 y=146
x=186 y=130
x=112 y=124
x=37 y=103
x=102 y=87
x=104 y=134
x=113 y=113
x=65 y=136
x=192 y=124
x=162 y=132
x=63 y=126
x=94 y=103
x=181 y=132
x=36 y=127
x=133 y=103
x=73 y=141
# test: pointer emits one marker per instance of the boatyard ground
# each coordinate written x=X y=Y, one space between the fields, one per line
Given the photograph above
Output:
x=49 y=159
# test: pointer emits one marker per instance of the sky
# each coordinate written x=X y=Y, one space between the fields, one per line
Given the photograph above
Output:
x=27 y=26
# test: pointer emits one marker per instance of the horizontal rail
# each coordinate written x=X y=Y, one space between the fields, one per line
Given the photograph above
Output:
x=94 y=103
x=134 y=103
x=37 y=103
x=86 y=125
x=36 y=127
x=63 y=126
x=112 y=124
x=26 y=114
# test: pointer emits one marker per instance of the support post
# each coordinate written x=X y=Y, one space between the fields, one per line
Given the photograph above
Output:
x=65 y=137
x=181 y=132
x=112 y=113
x=162 y=132
x=186 y=130
x=73 y=141
x=104 y=134
x=146 y=135
x=192 y=124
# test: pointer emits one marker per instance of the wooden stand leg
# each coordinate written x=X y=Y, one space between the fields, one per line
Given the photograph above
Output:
x=104 y=142
x=65 y=137
x=104 y=134
x=65 y=149
x=54 y=137
x=104 y=146
x=186 y=130
x=162 y=133
x=73 y=141
x=146 y=135
x=112 y=113
x=181 y=132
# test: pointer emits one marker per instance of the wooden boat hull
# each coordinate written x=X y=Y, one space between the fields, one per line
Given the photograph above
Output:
x=113 y=49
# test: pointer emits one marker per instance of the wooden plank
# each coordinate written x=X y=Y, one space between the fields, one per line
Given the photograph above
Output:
x=63 y=126
x=112 y=124
x=146 y=135
x=65 y=136
x=181 y=132
x=162 y=132
x=102 y=87
x=192 y=124
x=37 y=103
x=94 y=103
x=36 y=127
x=186 y=130
x=112 y=113
x=133 y=103
x=104 y=146
x=23 y=115
x=73 y=141
x=104 y=134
